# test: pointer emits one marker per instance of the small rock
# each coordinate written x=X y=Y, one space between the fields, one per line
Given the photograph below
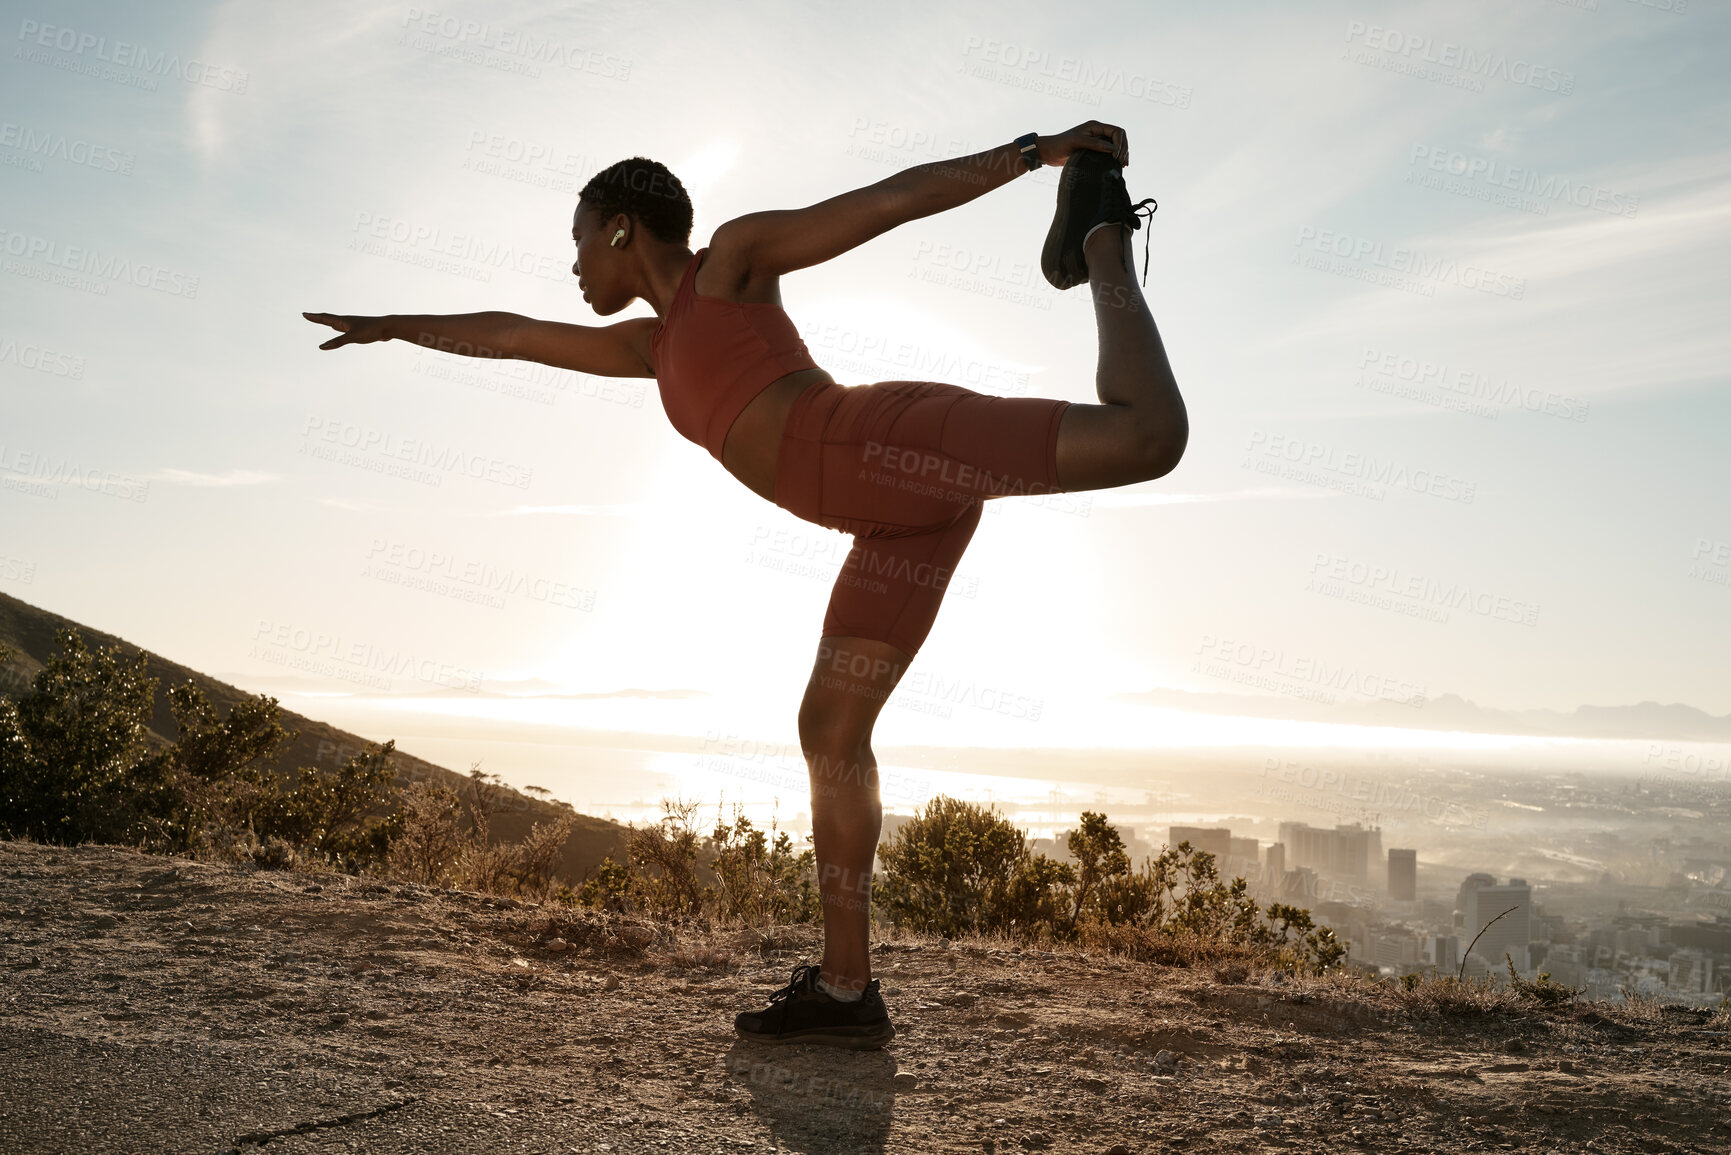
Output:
x=1516 y=1047
x=1166 y=1061
x=555 y=944
x=1118 y=1149
x=105 y=922
x=906 y=1080
x=945 y=944
x=611 y=983
x=1269 y=1120
x=1035 y=1142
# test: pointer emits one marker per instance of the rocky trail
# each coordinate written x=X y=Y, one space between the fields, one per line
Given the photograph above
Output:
x=156 y=1004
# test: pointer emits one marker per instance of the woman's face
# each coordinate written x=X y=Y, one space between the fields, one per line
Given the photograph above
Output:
x=594 y=267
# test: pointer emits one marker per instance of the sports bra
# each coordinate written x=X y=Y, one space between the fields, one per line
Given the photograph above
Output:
x=711 y=357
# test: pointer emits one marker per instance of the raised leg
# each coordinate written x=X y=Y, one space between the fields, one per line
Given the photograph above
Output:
x=1139 y=430
x=850 y=682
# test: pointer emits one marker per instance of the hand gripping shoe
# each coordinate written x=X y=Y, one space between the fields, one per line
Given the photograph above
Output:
x=802 y=1013
x=1091 y=193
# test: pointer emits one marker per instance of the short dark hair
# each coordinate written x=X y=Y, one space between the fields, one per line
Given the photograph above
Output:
x=645 y=190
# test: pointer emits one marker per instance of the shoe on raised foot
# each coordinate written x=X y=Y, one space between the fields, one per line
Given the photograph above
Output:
x=1091 y=193
x=800 y=1012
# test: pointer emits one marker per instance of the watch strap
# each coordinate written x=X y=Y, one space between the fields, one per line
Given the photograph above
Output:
x=1028 y=143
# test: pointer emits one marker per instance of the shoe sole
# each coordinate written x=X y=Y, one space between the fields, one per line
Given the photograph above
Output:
x=854 y=1042
x=1063 y=273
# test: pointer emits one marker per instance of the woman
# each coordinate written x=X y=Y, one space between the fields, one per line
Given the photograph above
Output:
x=904 y=466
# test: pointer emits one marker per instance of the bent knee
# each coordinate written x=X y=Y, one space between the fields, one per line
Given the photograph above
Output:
x=1161 y=447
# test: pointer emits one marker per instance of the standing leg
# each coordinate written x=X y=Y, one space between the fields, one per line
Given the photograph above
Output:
x=1139 y=430
x=850 y=682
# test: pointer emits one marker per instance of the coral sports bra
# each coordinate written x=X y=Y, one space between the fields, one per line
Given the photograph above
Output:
x=711 y=357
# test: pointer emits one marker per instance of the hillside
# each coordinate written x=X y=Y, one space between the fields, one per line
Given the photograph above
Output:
x=154 y=1004
x=29 y=633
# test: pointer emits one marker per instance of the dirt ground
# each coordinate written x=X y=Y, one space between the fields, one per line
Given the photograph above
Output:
x=155 y=1004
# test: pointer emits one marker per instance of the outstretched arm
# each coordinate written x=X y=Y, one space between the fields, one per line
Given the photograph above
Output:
x=782 y=240
x=604 y=351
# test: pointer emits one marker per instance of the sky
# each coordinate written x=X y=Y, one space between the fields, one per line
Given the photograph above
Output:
x=1442 y=285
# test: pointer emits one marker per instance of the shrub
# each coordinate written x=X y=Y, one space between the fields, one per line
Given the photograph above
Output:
x=959 y=868
x=511 y=868
x=75 y=761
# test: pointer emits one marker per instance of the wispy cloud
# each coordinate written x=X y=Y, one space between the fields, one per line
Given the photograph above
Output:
x=218 y=480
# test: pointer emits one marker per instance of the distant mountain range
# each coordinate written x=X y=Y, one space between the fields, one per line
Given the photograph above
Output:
x=29 y=633
x=1652 y=720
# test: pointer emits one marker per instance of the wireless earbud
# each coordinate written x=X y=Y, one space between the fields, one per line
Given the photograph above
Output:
x=616 y=237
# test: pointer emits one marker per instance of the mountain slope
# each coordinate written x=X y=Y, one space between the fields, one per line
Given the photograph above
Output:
x=29 y=632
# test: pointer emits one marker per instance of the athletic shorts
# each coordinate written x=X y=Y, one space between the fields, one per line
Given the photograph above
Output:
x=905 y=467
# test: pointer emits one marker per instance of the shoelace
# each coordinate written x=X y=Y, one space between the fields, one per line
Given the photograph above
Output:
x=1147 y=238
x=805 y=976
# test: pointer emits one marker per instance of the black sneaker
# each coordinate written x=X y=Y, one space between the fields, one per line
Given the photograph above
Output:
x=1090 y=192
x=801 y=1013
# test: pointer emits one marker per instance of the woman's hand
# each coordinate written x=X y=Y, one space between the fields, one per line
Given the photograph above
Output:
x=1107 y=138
x=353 y=330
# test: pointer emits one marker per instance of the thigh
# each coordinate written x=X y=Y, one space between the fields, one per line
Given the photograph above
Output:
x=911 y=456
x=892 y=583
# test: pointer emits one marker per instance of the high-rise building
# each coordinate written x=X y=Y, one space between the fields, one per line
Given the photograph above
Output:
x=1245 y=848
x=1403 y=875
x=1442 y=951
x=1344 y=852
x=1274 y=866
x=1691 y=970
x=1216 y=842
x=1481 y=901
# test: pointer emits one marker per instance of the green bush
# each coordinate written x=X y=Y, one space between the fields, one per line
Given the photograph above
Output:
x=77 y=765
x=737 y=875
x=959 y=868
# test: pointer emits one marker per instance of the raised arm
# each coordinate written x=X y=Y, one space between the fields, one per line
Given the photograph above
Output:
x=604 y=351
x=781 y=240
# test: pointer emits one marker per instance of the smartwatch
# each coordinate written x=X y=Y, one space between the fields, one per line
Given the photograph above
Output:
x=1030 y=153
